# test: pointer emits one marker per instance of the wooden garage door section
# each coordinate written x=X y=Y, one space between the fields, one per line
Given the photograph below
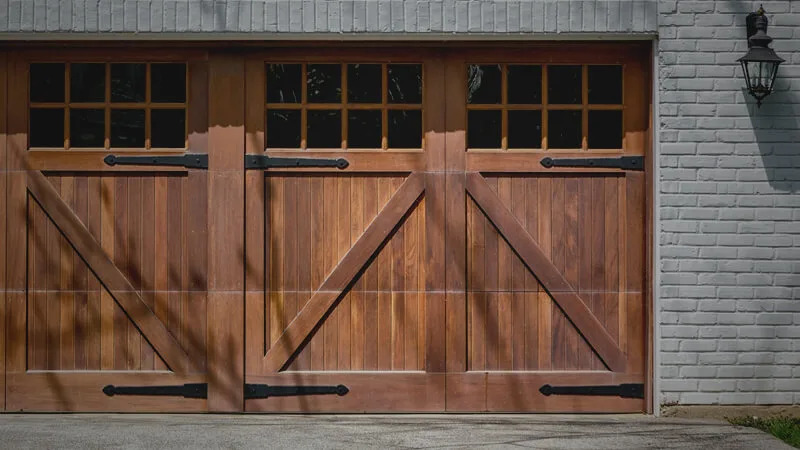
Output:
x=456 y=273
x=344 y=269
x=107 y=265
x=379 y=230
x=546 y=277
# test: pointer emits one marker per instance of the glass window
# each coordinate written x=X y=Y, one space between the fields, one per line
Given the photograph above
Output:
x=108 y=105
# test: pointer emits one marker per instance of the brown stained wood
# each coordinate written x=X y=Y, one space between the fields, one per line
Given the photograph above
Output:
x=529 y=162
x=343 y=240
x=422 y=392
x=519 y=392
x=109 y=274
x=226 y=233
x=322 y=300
x=83 y=392
x=92 y=161
x=552 y=280
x=434 y=264
x=359 y=161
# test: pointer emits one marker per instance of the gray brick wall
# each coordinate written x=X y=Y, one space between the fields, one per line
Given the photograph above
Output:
x=328 y=16
x=730 y=209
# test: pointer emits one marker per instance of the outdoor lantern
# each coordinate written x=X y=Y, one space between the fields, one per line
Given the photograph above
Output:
x=760 y=64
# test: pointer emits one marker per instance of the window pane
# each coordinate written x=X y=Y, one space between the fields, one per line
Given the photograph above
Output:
x=86 y=127
x=324 y=129
x=168 y=128
x=484 y=84
x=127 y=128
x=324 y=83
x=47 y=82
x=364 y=83
x=364 y=129
x=605 y=85
x=47 y=127
x=87 y=83
x=128 y=82
x=484 y=129
x=564 y=84
x=605 y=129
x=525 y=84
x=564 y=129
x=405 y=128
x=524 y=129
x=284 y=83
x=168 y=83
x=405 y=83
x=283 y=128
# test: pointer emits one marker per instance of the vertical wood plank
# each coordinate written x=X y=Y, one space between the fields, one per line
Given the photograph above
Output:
x=147 y=241
x=318 y=266
x=225 y=308
x=357 y=293
x=571 y=263
x=94 y=350
x=370 y=281
x=343 y=310
x=384 y=269
x=107 y=215
x=545 y=302
x=162 y=277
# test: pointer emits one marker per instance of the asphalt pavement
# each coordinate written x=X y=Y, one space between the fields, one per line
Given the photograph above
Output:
x=149 y=431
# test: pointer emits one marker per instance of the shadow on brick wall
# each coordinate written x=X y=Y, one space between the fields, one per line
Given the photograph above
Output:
x=776 y=126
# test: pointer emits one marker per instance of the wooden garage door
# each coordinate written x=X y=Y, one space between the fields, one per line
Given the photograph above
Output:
x=545 y=280
x=106 y=265
x=446 y=269
x=345 y=266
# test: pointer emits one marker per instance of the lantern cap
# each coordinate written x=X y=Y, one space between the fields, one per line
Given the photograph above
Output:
x=761 y=54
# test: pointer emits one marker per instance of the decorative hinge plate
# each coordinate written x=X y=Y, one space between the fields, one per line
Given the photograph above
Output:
x=623 y=162
x=200 y=390
x=625 y=390
x=264 y=162
x=188 y=160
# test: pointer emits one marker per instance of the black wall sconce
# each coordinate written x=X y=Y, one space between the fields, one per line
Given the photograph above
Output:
x=760 y=64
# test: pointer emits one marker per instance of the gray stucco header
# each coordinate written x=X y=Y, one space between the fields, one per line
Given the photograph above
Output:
x=98 y=18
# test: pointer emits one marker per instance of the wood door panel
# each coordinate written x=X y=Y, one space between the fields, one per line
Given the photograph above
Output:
x=379 y=322
x=74 y=323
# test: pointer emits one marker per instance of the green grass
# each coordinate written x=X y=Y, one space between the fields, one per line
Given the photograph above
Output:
x=786 y=429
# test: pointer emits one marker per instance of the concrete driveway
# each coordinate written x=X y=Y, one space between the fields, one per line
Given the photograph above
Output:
x=353 y=432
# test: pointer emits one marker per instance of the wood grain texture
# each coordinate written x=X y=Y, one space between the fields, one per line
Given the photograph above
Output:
x=4 y=214
x=111 y=276
x=352 y=262
x=226 y=232
x=546 y=272
x=422 y=392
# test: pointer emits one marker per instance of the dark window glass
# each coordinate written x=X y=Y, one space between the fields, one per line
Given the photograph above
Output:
x=525 y=84
x=47 y=82
x=87 y=83
x=283 y=128
x=128 y=82
x=524 y=129
x=484 y=129
x=168 y=128
x=484 y=84
x=168 y=83
x=364 y=83
x=284 y=83
x=324 y=129
x=605 y=85
x=605 y=129
x=564 y=129
x=405 y=128
x=364 y=129
x=405 y=83
x=564 y=85
x=86 y=127
x=47 y=127
x=324 y=83
x=127 y=128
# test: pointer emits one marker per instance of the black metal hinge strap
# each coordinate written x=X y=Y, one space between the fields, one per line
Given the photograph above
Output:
x=190 y=390
x=252 y=391
x=188 y=160
x=200 y=390
x=263 y=162
x=626 y=390
x=623 y=162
